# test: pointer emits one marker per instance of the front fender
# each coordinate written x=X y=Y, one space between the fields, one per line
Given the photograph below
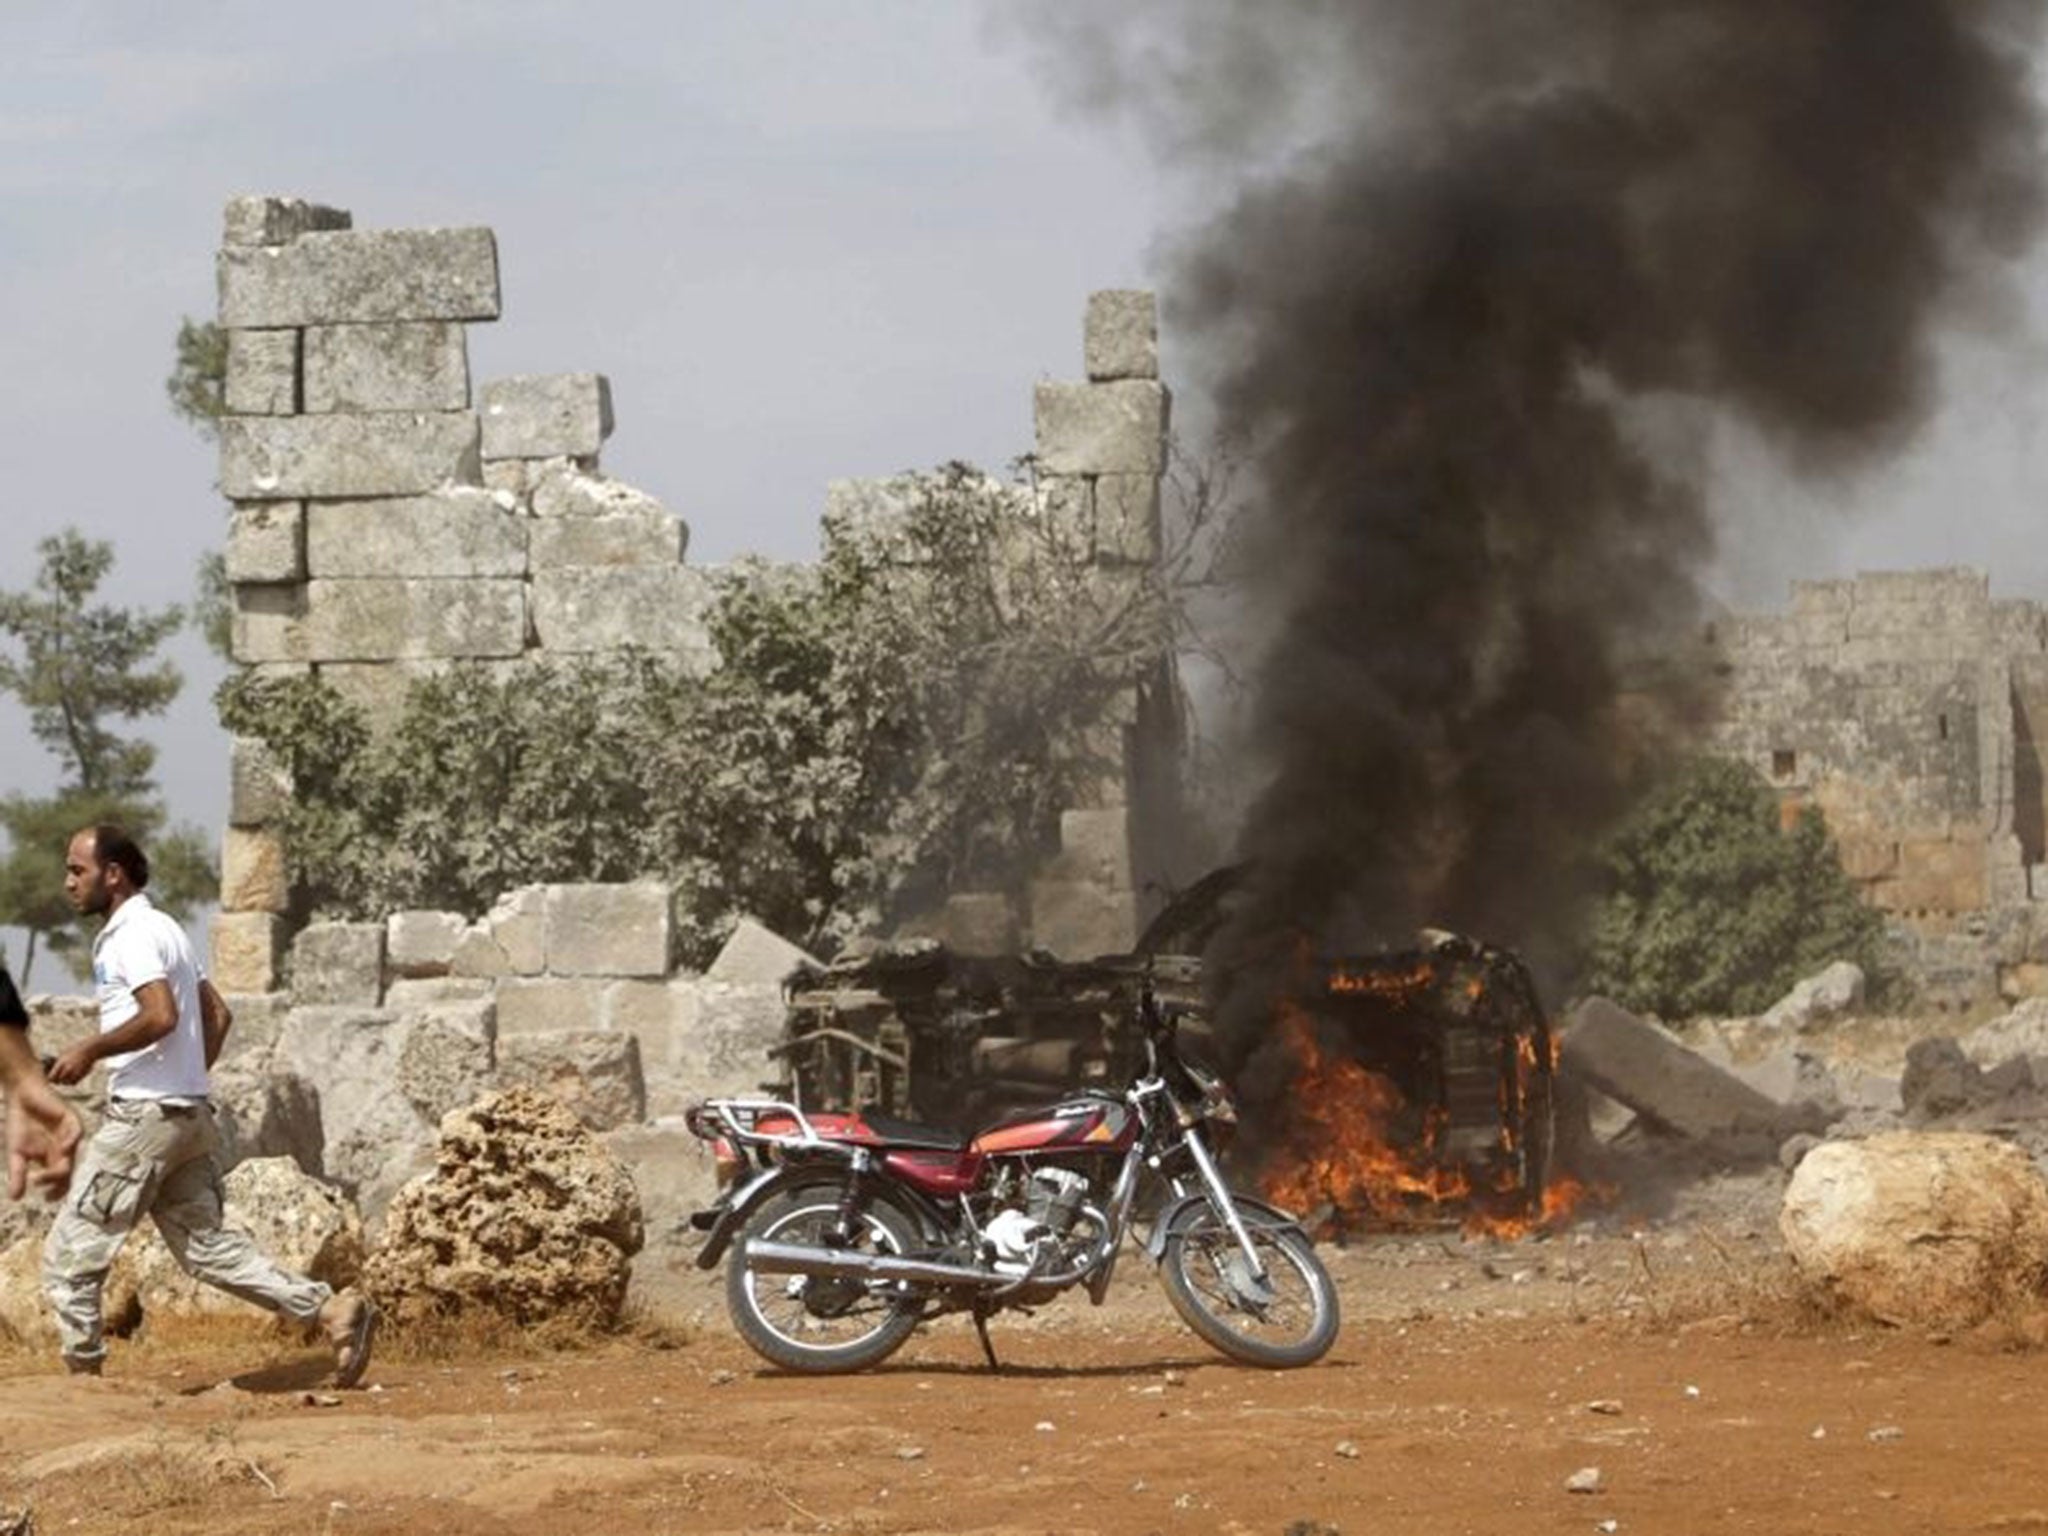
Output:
x=731 y=1214
x=1254 y=1213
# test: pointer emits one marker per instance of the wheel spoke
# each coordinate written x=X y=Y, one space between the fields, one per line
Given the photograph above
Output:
x=1291 y=1314
x=817 y=1310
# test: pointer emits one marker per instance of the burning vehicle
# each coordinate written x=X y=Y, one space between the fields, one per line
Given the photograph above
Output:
x=1417 y=1082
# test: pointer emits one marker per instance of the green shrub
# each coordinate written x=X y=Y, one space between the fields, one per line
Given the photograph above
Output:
x=1712 y=907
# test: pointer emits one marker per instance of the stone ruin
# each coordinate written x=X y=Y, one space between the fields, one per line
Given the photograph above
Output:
x=389 y=520
x=1909 y=706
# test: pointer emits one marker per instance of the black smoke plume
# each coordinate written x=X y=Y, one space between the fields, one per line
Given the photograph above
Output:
x=1468 y=242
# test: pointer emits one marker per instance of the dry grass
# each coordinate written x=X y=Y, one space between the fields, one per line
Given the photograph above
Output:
x=1767 y=1294
x=1760 y=1293
x=478 y=1334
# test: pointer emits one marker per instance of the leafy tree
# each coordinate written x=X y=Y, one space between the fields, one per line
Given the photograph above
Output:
x=197 y=385
x=1713 y=906
x=79 y=668
x=905 y=718
x=213 y=605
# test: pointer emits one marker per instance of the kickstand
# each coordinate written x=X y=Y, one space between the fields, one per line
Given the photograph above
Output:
x=988 y=1349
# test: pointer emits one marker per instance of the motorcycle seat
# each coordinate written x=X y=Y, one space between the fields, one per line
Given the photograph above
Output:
x=908 y=1133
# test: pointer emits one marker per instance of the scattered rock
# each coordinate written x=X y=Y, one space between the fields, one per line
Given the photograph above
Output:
x=2023 y=1032
x=1828 y=994
x=1608 y=1406
x=1585 y=1480
x=757 y=956
x=910 y=1453
x=1348 y=1449
x=526 y=1215
x=1647 y=1068
x=1939 y=1080
x=1884 y=1433
x=1935 y=1229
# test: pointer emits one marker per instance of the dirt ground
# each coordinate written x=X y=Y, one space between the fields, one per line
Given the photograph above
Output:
x=1472 y=1379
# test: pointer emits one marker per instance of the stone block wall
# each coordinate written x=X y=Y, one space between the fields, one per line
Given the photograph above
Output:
x=389 y=519
x=566 y=985
x=1908 y=705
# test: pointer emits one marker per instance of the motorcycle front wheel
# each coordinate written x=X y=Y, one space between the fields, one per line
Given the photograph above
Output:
x=813 y=1323
x=1289 y=1319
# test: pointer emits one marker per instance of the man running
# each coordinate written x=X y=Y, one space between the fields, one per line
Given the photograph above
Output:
x=162 y=1025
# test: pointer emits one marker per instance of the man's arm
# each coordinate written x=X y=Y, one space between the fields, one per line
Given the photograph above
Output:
x=215 y=1019
x=41 y=1128
x=156 y=1015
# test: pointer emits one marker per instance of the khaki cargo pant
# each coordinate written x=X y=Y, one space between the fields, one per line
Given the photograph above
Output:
x=155 y=1160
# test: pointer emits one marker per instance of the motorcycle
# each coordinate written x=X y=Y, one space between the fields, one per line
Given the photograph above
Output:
x=848 y=1230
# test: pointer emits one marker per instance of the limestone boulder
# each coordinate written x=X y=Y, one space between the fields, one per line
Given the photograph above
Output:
x=2022 y=1032
x=756 y=955
x=24 y=1315
x=526 y=1216
x=263 y=1112
x=306 y=1224
x=595 y=1073
x=1939 y=1080
x=446 y=1059
x=1916 y=1228
x=339 y=964
x=375 y=1139
x=1827 y=994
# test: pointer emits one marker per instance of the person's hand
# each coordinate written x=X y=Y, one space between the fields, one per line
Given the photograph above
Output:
x=72 y=1066
x=42 y=1133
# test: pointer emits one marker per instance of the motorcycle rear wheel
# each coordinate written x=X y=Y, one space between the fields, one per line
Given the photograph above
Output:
x=1292 y=1323
x=811 y=1323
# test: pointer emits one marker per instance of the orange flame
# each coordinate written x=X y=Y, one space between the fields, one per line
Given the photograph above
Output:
x=1563 y=1198
x=1350 y=1154
x=1344 y=1150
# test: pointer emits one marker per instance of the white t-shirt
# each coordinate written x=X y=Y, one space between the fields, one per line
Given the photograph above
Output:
x=140 y=945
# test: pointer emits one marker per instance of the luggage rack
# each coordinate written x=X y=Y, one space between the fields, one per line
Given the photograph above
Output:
x=740 y=1120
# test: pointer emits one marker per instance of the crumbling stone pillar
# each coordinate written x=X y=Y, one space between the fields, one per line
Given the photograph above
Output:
x=382 y=526
x=1101 y=454
x=348 y=431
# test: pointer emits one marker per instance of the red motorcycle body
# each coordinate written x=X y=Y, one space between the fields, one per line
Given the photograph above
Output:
x=935 y=1161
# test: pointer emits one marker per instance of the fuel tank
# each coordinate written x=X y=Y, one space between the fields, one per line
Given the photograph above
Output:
x=1084 y=1122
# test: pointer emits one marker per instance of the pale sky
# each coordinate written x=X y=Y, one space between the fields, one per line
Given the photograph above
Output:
x=805 y=240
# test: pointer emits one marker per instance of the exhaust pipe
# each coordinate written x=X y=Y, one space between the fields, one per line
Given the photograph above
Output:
x=844 y=1264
